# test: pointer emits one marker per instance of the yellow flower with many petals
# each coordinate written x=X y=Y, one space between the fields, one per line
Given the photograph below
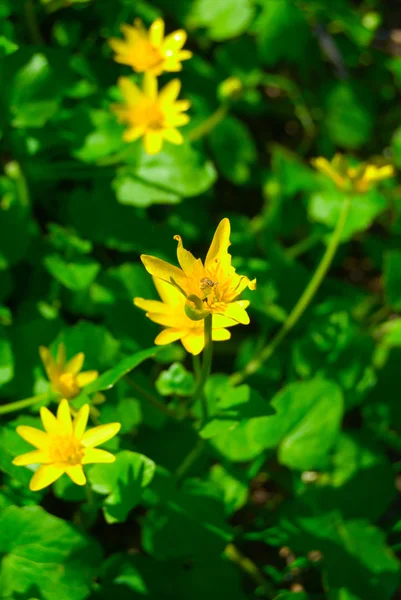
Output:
x=149 y=51
x=152 y=115
x=65 y=377
x=358 y=179
x=171 y=314
x=64 y=446
x=209 y=287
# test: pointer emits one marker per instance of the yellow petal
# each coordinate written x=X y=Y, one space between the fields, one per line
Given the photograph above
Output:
x=235 y=311
x=133 y=133
x=156 y=32
x=220 y=243
x=64 y=417
x=194 y=342
x=44 y=476
x=119 y=46
x=75 y=364
x=76 y=474
x=220 y=335
x=163 y=270
x=86 y=377
x=175 y=41
x=173 y=136
x=99 y=435
x=168 y=293
x=129 y=90
x=94 y=455
x=34 y=436
x=177 y=120
x=81 y=421
x=61 y=355
x=151 y=305
x=150 y=86
x=170 y=335
x=170 y=92
x=49 y=421
x=153 y=141
x=188 y=263
x=31 y=458
x=325 y=167
x=47 y=360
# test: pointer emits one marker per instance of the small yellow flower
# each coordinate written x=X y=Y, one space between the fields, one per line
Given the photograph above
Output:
x=152 y=115
x=64 y=446
x=357 y=179
x=65 y=377
x=149 y=51
x=212 y=287
x=171 y=314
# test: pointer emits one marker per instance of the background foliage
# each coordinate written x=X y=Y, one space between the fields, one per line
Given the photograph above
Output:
x=299 y=467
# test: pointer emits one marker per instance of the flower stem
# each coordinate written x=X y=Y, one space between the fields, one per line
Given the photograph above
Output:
x=208 y=124
x=249 y=567
x=206 y=367
x=303 y=302
x=19 y=404
x=152 y=399
x=189 y=460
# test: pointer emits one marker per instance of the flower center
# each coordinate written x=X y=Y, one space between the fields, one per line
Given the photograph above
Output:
x=147 y=113
x=66 y=449
x=208 y=288
x=145 y=56
x=67 y=385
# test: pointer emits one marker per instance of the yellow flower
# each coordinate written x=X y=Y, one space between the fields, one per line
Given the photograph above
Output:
x=212 y=287
x=152 y=115
x=357 y=179
x=64 y=446
x=178 y=326
x=65 y=377
x=149 y=51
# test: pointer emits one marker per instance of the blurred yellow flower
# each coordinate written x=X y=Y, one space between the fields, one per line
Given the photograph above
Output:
x=357 y=179
x=149 y=51
x=65 y=377
x=212 y=287
x=171 y=314
x=64 y=446
x=152 y=115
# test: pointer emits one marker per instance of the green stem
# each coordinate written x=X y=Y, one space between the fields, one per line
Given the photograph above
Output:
x=302 y=246
x=13 y=170
x=189 y=460
x=32 y=23
x=206 y=367
x=303 y=302
x=249 y=567
x=152 y=399
x=208 y=124
x=19 y=404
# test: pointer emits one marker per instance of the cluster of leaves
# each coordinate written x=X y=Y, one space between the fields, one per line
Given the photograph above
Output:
x=297 y=468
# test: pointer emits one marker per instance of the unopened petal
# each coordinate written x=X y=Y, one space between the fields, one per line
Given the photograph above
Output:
x=99 y=435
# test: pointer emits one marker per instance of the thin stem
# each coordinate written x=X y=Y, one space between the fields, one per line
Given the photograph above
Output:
x=196 y=365
x=208 y=124
x=19 y=404
x=152 y=399
x=302 y=246
x=13 y=170
x=303 y=302
x=32 y=23
x=189 y=460
x=206 y=367
x=249 y=567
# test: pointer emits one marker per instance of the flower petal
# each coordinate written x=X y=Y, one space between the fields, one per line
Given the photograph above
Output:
x=173 y=136
x=86 y=377
x=129 y=90
x=235 y=311
x=61 y=355
x=220 y=335
x=99 y=435
x=150 y=86
x=49 y=421
x=80 y=421
x=94 y=455
x=47 y=360
x=169 y=335
x=76 y=474
x=133 y=133
x=64 y=417
x=152 y=305
x=44 y=476
x=75 y=364
x=175 y=40
x=170 y=295
x=220 y=243
x=153 y=141
x=163 y=270
x=34 y=436
x=188 y=263
x=31 y=458
x=170 y=92
x=156 y=32
x=194 y=342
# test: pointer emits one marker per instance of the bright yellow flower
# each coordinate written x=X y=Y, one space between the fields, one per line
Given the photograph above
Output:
x=357 y=179
x=152 y=115
x=64 y=446
x=149 y=51
x=65 y=377
x=212 y=287
x=171 y=314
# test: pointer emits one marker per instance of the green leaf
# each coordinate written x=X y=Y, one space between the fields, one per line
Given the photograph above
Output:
x=95 y=341
x=234 y=150
x=392 y=278
x=224 y=19
x=6 y=359
x=122 y=482
x=132 y=191
x=109 y=379
x=177 y=380
x=43 y=553
x=76 y=274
